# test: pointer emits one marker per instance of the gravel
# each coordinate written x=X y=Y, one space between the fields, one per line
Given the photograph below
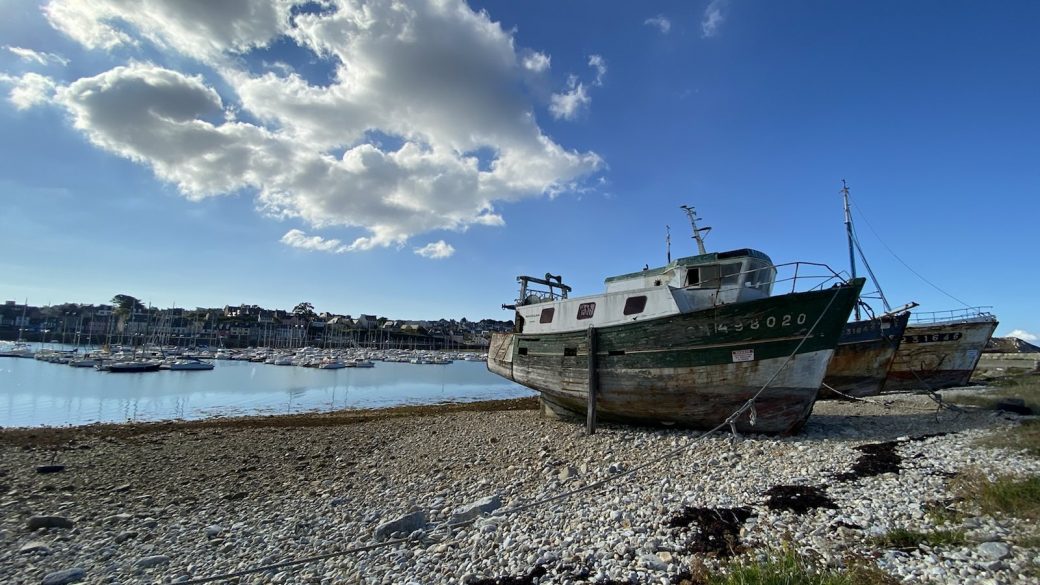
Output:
x=171 y=503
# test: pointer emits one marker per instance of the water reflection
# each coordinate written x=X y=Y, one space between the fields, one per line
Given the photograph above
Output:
x=38 y=393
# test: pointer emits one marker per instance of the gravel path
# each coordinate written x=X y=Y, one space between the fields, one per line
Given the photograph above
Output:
x=174 y=502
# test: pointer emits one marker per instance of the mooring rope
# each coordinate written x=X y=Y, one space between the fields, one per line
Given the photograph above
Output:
x=729 y=421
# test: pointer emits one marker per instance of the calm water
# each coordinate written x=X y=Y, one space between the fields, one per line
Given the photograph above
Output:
x=36 y=393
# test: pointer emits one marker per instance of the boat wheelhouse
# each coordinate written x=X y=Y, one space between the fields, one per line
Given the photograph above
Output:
x=682 y=286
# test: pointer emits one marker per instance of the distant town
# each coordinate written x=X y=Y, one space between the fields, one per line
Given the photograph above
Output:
x=128 y=321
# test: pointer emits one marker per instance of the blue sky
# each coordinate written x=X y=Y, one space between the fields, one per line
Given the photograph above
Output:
x=412 y=161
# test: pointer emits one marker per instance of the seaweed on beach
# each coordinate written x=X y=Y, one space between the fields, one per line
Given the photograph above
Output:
x=879 y=458
x=798 y=498
x=718 y=528
x=528 y=579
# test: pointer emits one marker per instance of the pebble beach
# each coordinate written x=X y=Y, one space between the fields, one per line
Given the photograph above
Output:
x=436 y=493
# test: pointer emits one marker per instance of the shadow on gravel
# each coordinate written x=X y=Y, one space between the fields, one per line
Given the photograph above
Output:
x=719 y=529
x=878 y=458
x=798 y=498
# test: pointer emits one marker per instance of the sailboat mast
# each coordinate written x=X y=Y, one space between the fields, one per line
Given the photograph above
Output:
x=848 y=232
x=692 y=214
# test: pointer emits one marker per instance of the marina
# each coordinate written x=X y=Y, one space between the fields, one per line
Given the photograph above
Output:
x=37 y=393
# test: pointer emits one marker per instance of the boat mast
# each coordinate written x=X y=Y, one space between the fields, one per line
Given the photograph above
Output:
x=692 y=214
x=668 y=242
x=848 y=232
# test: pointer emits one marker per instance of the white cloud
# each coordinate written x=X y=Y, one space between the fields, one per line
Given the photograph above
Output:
x=713 y=17
x=436 y=250
x=1023 y=335
x=568 y=105
x=29 y=90
x=300 y=239
x=203 y=30
x=661 y=22
x=598 y=63
x=536 y=62
x=435 y=80
x=37 y=56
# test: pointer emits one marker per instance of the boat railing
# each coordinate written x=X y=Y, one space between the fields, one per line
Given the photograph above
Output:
x=800 y=275
x=981 y=313
x=550 y=288
x=806 y=276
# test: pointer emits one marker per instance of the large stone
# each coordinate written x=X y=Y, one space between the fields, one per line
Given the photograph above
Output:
x=73 y=575
x=995 y=551
x=475 y=509
x=36 y=522
x=407 y=524
x=567 y=473
x=152 y=561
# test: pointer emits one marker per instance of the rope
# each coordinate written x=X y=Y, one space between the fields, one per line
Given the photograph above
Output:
x=857 y=398
x=729 y=421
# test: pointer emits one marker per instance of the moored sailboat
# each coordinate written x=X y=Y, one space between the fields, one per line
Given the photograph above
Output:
x=688 y=343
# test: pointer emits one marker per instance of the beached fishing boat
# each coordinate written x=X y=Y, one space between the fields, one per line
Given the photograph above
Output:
x=867 y=347
x=687 y=343
x=941 y=349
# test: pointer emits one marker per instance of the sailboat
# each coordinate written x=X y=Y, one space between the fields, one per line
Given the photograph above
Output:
x=688 y=343
x=19 y=348
x=867 y=347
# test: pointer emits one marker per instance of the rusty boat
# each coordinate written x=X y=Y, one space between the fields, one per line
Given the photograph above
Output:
x=867 y=347
x=941 y=349
x=688 y=343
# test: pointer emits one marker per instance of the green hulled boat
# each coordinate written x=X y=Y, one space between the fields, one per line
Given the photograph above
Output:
x=687 y=343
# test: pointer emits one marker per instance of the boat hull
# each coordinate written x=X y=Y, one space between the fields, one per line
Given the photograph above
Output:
x=938 y=355
x=863 y=357
x=690 y=369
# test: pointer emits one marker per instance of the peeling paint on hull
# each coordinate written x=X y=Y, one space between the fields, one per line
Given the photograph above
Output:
x=864 y=356
x=938 y=356
x=690 y=369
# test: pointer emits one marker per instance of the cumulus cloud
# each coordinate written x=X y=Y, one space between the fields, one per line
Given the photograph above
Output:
x=29 y=90
x=713 y=17
x=660 y=22
x=37 y=57
x=437 y=83
x=436 y=250
x=569 y=104
x=536 y=62
x=202 y=30
x=299 y=239
x=1023 y=335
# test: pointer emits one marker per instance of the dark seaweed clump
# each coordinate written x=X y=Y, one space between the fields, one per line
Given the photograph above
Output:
x=719 y=528
x=527 y=579
x=877 y=458
x=798 y=498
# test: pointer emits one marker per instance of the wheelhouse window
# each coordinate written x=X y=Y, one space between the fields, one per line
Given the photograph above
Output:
x=547 y=315
x=586 y=310
x=731 y=274
x=635 y=305
x=693 y=277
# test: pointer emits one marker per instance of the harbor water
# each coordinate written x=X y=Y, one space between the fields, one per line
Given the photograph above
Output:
x=35 y=393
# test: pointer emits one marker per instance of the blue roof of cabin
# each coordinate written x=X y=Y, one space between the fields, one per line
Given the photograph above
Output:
x=700 y=259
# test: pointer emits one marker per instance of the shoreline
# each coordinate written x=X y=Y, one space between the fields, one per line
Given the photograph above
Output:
x=168 y=502
x=346 y=416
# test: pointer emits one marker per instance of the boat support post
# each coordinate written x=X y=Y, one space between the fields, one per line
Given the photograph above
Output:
x=590 y=412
